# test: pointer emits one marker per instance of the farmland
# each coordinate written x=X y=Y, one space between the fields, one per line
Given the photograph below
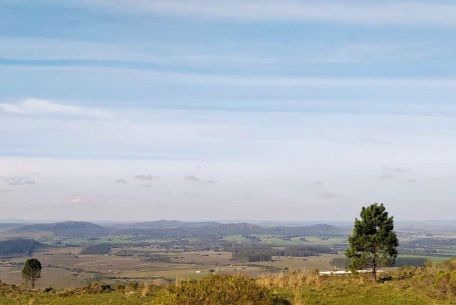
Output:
x=405 y=286
x=167 y=251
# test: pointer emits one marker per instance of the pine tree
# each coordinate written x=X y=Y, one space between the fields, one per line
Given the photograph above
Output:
x=31 y=271
x=373 y=243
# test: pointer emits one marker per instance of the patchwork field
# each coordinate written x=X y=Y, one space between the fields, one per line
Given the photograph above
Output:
x=65 y=267
x=169 y=251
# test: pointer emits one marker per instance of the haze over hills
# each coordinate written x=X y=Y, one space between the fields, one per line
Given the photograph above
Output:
x=174 y=228
x=66 y=228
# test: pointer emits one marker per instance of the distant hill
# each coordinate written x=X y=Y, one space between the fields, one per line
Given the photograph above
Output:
x=18 y=247
x=318 y=230
x=9 y=226
x=170 y=224
x=173 y=228
x=179 y=229
x=66 y=229
x=157 y=224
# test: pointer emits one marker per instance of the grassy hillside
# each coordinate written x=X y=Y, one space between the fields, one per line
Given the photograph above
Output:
x=434 y=284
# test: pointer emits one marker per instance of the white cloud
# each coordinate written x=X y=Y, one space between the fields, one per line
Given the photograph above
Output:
x=76 y=200
x=350 y=12
x=32 y=106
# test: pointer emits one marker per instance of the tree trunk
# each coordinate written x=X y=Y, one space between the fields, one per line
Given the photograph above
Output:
x=374 y=273
x=374 y=269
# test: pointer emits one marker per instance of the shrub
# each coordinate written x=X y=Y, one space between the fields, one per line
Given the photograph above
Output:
x=219 y=290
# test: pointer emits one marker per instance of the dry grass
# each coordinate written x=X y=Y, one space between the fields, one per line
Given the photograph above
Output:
x=434 y=284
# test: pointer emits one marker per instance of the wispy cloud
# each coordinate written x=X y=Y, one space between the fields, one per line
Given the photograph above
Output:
x=51 y=52
x=329 y=195
x=284 y=81
x=348 y=12
x=318 y=183
x=392 y=172
x=196 y=179
x=17 y=181
x=146 y=177
x=191 y=178
x=33 y=106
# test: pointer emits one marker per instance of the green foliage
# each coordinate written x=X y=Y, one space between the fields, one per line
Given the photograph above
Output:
x=373 y=242
x=437 y=281
x=31 y=271
x=400 y=261
x=434 y=284
x=19 y=246
x=261 y=253
x=219 y=290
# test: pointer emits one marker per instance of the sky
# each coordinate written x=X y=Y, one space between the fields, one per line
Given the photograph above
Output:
x=125 y=110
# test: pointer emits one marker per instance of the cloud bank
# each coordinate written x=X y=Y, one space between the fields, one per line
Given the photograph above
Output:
x=34 y=106
x=347 y=12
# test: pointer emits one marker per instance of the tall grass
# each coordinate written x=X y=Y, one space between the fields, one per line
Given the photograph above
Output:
x=433 y=284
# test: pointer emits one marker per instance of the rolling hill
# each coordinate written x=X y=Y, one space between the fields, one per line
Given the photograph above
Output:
x=66 y=229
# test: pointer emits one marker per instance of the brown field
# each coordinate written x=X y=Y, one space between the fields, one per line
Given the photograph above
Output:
x=65 y=267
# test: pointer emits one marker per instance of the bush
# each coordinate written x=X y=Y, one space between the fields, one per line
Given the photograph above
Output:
x=97 y=288
x=219 y=290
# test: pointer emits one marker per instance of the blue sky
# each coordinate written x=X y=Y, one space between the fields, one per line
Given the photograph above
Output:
x=293 y=110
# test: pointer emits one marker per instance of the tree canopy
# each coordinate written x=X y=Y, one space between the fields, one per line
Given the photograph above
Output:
x=31 y=271
x=373 y=242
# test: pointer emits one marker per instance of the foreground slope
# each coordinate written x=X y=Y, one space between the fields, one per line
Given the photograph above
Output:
x=434 y=284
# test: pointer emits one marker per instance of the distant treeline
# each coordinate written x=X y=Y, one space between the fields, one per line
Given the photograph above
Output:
x=145 y=255
x=97 y=249
x=18 y=247
x=265 y=253
x=252 y=256
x=218 y=230
x=429 y=242
x=343 y=263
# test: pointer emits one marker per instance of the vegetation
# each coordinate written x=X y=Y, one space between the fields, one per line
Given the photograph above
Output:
x=373 y=242
x=187 y=252
x=18 y=247
x=401 y=261
x=219 y=290
x=31 y=271
x=261 y=253
x=434 y=284
x=171 y=229
x=97 y=249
